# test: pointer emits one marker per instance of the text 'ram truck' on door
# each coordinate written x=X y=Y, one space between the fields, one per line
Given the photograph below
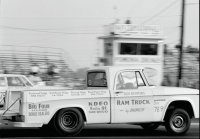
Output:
x=113 y=95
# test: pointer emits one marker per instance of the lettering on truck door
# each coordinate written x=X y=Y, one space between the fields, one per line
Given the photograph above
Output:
x=132 y=99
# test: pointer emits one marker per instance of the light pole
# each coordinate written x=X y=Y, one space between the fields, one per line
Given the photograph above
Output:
x=181 y=43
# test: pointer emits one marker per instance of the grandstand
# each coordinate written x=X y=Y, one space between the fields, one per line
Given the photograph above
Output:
x=20 y=59
x=190 y=71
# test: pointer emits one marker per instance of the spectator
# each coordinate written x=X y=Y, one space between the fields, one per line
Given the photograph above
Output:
x=34 y=78
x=35 y=69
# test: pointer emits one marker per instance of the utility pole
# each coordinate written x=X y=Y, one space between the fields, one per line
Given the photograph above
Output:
x=181 y=43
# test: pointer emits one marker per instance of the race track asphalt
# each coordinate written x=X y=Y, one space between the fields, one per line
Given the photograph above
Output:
x=115 y=131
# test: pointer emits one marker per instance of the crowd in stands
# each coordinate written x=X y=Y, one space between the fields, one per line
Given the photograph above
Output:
x=50 y=76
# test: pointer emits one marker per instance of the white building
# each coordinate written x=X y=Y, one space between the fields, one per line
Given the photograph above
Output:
x=129 y=44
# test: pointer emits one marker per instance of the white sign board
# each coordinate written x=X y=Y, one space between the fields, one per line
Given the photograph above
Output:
x=132 y=29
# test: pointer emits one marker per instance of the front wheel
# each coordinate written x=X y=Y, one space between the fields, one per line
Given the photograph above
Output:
x=178 y=122
x=68 y=121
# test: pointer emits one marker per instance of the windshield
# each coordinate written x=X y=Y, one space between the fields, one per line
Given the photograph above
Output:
x=149 y=77
x=26 y=82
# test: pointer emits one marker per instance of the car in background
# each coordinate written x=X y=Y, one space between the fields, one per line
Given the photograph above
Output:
x=12 y=82
x=16 y=81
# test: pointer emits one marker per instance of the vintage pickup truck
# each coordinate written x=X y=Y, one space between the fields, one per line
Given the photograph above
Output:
x=112 y=95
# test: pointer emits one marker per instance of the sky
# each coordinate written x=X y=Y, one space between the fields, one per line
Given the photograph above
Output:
x=75 y=25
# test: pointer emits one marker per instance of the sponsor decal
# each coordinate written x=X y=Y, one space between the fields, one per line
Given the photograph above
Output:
x=38 y=94
x=127 y=93
x=98 y=107
x=72 y=93
x=137 y=110
x=78 y=93
x=38 y=109
x=158 y=109
x=159 y=105
x=158 y=101
x=97 y=93
x=133 y=110
x=133 y=102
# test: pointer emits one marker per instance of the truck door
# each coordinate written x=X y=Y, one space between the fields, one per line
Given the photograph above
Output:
x=132 y=99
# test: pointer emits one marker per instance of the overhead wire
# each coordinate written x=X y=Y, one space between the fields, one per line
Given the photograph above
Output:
x=160 y=12
x=46 y=31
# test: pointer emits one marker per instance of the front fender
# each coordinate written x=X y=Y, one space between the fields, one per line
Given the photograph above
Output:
x=176 y=99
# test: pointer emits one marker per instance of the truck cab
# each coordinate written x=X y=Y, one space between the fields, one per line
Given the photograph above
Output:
x=131 y=94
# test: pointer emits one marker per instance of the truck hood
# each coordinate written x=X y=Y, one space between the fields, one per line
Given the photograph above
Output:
x=176 y=91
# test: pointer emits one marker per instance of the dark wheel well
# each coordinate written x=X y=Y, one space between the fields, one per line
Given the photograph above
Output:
x=83 y=114
x=81 y=110
x=185 y=105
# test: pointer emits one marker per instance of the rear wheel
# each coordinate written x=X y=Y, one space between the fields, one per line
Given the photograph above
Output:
x=178 y=122
x=150 y=126
x=68 y=121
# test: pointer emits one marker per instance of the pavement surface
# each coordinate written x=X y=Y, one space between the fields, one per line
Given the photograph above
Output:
x=115 y=131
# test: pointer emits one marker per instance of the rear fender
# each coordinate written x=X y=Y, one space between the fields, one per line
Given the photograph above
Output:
x=53 y=113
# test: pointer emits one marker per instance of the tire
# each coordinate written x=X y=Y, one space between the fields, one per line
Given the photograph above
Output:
x=150 y=126
x=68 y=122
x=178 y=122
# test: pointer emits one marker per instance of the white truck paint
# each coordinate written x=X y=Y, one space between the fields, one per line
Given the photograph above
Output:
x=122 y=95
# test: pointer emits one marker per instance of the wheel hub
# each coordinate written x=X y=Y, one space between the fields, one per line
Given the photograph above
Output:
x=178 y=121
x=69 y=120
